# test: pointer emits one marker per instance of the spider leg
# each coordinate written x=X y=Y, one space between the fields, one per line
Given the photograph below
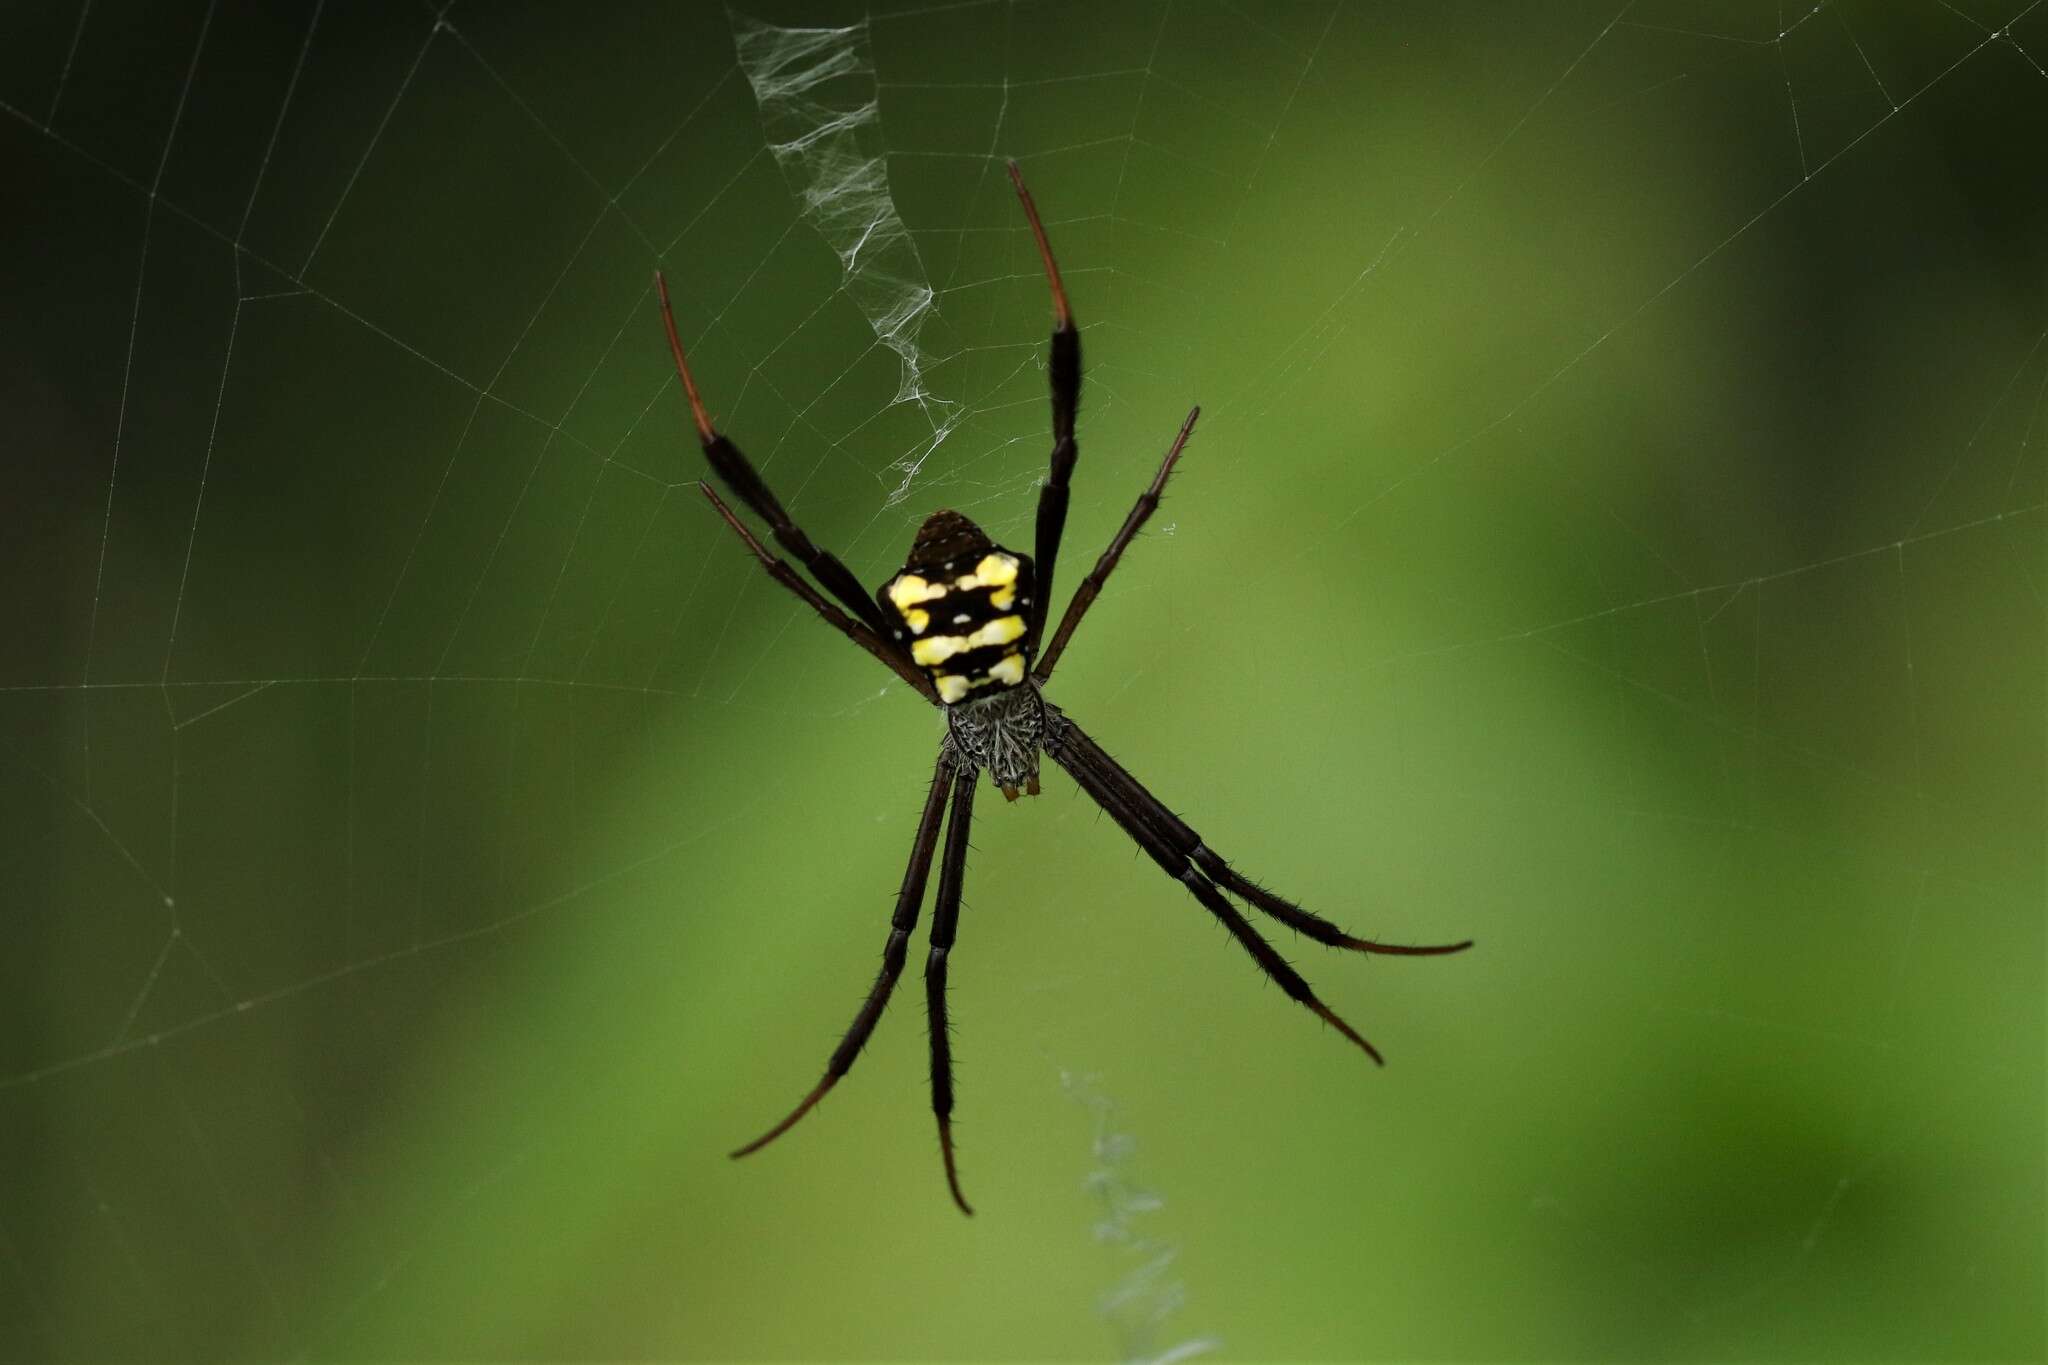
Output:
x=945 y=919
x=746 y=482
x=908 y=899
x=1091 y=586
x=835 y=618
x=1063 y=369
x=1188 y=846
x=1149 y=836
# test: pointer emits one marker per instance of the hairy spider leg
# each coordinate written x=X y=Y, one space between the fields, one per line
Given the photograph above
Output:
x=1091 y=586
x=835 y=618
x=908 y=900
x=739 y=474
x=945 y=919
x=1106 y=794
x=1063 y=370
x=1185 y=844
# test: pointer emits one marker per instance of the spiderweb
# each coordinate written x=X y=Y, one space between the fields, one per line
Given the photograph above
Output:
x=1614 y=532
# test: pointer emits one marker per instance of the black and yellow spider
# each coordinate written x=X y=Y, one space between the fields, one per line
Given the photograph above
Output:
x=961 y=624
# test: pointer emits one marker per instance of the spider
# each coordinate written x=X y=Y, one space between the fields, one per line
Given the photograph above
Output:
x=961 y=624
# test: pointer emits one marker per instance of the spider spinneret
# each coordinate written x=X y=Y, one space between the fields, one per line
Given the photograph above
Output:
x=963 y=624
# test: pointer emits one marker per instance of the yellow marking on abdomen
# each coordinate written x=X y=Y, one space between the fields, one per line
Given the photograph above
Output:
x=1000 y=631
x=930 y=653
x=909 y=590
x=936 y=649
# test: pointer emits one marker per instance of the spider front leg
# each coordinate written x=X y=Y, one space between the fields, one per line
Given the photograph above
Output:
x=945 y=919
x=1182 y=855
x=1148 y=836
x=908 y=899
x=1178 y=836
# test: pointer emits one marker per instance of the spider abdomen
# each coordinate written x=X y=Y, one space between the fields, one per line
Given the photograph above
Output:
x=961 y=608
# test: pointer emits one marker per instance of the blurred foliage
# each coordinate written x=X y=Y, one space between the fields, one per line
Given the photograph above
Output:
x=1615 y=533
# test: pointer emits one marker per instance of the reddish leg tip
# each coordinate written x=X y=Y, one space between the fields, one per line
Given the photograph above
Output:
x=1368 y=945
x=1329 y=1016
x=804 y=1107
x=1063 y=319
x=952 y=1174
x=705 y=431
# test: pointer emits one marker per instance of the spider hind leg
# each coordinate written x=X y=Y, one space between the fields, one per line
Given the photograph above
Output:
x=737 y=472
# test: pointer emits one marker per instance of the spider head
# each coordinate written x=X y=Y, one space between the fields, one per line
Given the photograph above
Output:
x=962 y=607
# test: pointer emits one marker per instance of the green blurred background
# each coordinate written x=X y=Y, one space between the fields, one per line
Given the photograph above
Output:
x=1615 y=533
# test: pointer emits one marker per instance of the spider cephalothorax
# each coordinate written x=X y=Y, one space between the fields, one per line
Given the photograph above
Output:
x=1001 y=732
x=964 y=625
